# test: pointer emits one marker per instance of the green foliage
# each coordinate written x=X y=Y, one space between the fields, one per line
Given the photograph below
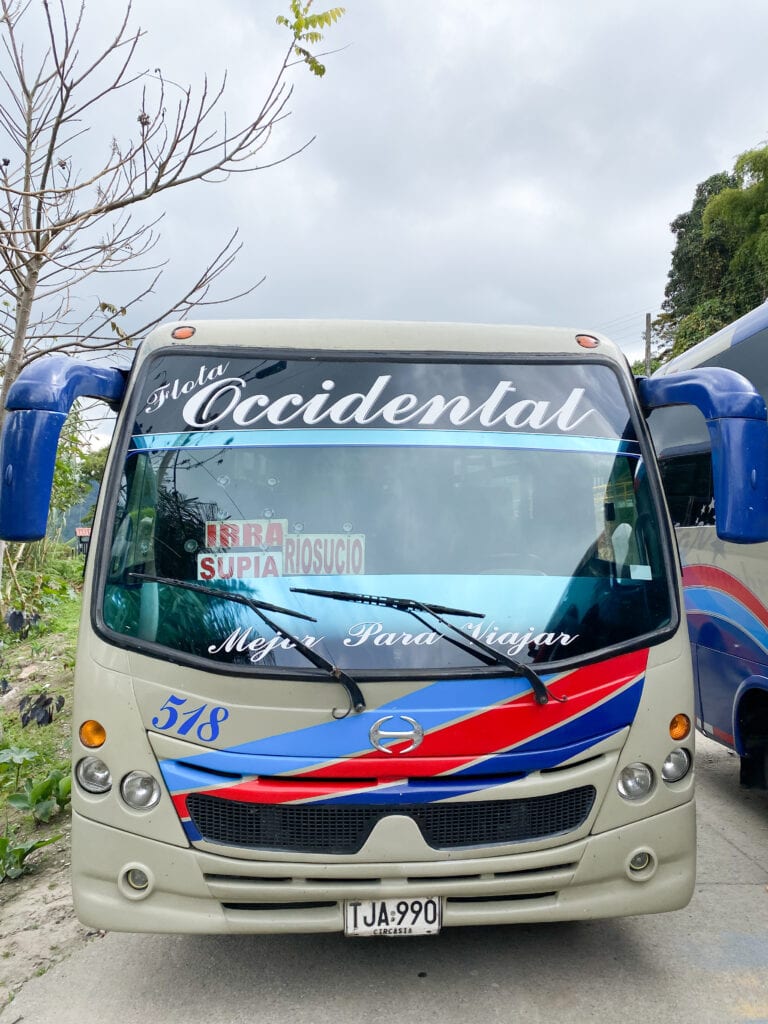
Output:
x=740 y=214
x=16 y=758
x=639 y=368
x=306 y=29
x=41 y=798
x=706 y=318
x=700 y=258
x=112 y=313
x=39 y=580
x=64 y=618
x=46 y=797
x=35 y=783
x=14 y=852
x=719 y=268
x=93 y=463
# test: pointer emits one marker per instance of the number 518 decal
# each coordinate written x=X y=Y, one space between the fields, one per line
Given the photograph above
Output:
x=204 y=719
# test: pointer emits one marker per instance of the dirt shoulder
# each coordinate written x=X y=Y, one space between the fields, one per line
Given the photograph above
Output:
x=38 y=926
x=37 y=921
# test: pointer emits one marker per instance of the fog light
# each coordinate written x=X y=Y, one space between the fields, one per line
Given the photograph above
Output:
x=140 y=790
x=137 y=879
x=93 y=775
x=641 y=865
x=676 y=765
x=640 y=861
x=635 y=781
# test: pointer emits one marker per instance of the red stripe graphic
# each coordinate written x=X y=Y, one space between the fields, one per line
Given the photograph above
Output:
x=717 y=579
x=452 y=746
x=721 y=734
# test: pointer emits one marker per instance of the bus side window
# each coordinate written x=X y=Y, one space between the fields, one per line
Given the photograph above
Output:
x=687 y=480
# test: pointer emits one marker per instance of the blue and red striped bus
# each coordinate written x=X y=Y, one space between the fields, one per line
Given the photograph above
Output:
x=725 y=584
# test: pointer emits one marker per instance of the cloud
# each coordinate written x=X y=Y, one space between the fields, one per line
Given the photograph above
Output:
x=504 y=161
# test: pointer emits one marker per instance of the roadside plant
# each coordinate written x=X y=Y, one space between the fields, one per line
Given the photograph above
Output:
x=41 y=799
x=35 y=781
x=45 y=798
x=13 y=853
x=39 y=708
x=14 y=758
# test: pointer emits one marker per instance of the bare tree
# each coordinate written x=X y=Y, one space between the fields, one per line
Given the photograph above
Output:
x=62 y=223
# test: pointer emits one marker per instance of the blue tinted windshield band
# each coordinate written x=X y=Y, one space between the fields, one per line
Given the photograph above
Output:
x=371 y=437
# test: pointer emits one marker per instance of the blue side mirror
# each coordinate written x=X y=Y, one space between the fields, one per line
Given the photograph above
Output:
x=737 y=422
x=37 y=405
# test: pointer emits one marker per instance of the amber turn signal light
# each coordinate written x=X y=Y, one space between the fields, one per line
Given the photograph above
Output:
x=680 y=727
x=92 y=734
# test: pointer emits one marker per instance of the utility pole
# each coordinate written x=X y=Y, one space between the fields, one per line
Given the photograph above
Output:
x=648 y=344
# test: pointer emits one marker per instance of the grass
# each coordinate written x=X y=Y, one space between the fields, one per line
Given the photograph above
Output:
x=39 y=669
x=41 y=664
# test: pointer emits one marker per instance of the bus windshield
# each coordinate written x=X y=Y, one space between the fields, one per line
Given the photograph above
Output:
x=515 y=492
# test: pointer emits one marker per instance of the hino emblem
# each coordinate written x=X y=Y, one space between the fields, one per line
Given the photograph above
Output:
x=379 y=736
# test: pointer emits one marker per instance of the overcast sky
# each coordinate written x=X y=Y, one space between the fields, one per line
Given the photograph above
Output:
x=498 y=161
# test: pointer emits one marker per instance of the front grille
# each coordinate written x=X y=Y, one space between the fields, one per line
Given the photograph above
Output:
x=343 y=829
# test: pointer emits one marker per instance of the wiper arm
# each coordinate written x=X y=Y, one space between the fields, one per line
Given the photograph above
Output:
x=356 y=699
x=200 y=588
x=471 y=645
x=403 y=604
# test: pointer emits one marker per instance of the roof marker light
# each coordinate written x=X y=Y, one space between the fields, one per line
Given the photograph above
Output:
x=587 y=341
x=182 y=333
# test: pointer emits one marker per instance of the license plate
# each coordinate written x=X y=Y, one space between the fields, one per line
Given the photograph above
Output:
x=417 y=915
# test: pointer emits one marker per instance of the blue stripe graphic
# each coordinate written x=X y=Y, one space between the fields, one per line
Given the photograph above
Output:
x=193 y=833
x=719 y=605
x=606 y=718
x=437 y=704
x=374 y=437
x=408 y=791
x=547 y=751
x=441 y=703
x=725 y=638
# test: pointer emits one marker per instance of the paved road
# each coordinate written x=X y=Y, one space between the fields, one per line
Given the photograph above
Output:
x=708 y=963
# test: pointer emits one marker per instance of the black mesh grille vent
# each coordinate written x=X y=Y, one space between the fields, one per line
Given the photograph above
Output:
x=343 y=829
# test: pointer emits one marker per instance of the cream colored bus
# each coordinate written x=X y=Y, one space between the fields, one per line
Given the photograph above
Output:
x=382 y=626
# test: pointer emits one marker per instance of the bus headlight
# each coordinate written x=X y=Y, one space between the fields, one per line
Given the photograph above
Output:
x=676 y=765
x=140 y=790
x=93 y=775
x=635 y=781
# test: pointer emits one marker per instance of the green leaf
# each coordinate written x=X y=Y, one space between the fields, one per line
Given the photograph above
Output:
x=17 y=755
x=45 y=809
x=42 y=790
x=306 y=29
x=13 y=854
x=64 y=790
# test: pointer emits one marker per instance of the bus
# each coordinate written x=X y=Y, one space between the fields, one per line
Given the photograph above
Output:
x=382 y=626
x=725 y=585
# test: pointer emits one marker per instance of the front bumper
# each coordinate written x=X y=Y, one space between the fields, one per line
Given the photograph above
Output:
x=191 y=891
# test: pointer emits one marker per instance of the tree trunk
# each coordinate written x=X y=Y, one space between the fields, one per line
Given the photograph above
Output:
x=25 y=297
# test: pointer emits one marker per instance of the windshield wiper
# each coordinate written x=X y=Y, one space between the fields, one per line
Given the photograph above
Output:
x=356 y=699
x=471 y=645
